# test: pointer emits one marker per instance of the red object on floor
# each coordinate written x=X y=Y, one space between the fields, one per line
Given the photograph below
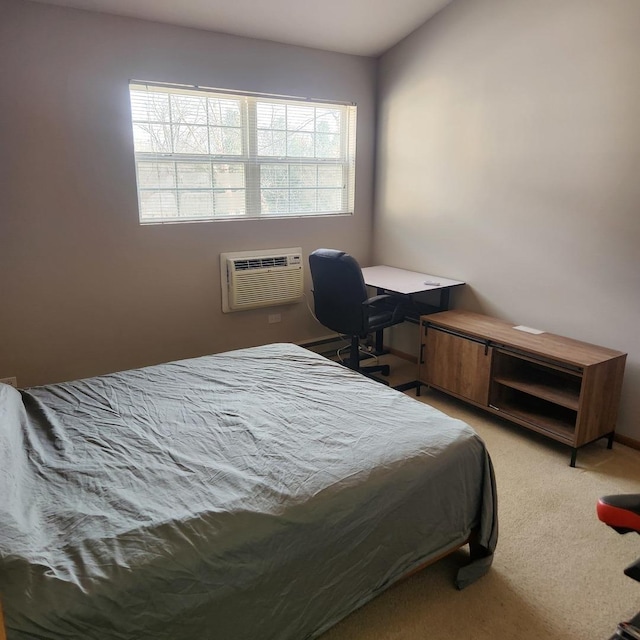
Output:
x=620 y=511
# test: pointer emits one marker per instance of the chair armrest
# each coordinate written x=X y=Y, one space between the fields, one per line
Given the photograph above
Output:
x=377 y=299
x=392 y=302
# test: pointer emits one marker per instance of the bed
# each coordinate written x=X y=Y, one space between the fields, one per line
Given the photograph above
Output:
x=263 y=493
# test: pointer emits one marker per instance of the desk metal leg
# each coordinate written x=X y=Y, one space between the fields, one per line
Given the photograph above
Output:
x=379 y=336
x=379 y=342
x=444 y=299
x=424 y=310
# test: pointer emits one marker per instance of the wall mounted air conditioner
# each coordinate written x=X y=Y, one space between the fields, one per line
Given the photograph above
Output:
x=265 y=278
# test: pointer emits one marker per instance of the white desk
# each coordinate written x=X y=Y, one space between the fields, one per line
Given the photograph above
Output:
x=405 y=284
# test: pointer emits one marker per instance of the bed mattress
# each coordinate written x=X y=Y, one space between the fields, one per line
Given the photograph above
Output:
x=262 y=493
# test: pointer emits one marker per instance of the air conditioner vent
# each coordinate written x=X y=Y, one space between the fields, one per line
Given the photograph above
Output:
x=260 y=263
x=261 y=279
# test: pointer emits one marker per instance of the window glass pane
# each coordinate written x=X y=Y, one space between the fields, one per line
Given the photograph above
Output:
x=275 y=201
x=330 y=200
x=330 y=175
x=272 y=143
x=148 y=106
x=195 y=204
x=229 y=203
x=225 y=141
x=224 y=113
x=300 y=118
x=274 y=175
x=300 y=145
x=327 y=145
x=228 y=176
x=328 y=121
x=190 y=139
x=271 y=116
x=303 y=175
x=194 y=175
x=152 y=138
x=188 y=109
x=302 y=200
x=156 y=174
x=158 y=204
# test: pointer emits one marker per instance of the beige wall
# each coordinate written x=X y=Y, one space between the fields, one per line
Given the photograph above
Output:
x=509 y=157
x=84 y=289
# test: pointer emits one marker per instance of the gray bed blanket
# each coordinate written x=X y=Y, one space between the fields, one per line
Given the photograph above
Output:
x=258 y=494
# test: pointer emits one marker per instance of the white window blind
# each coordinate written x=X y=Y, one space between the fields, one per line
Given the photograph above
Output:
x=208 y=154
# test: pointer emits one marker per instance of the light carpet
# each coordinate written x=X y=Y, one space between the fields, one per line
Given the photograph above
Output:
x=558 y=571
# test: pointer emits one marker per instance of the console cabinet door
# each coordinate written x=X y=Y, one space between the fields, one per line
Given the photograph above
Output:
x=457 y=364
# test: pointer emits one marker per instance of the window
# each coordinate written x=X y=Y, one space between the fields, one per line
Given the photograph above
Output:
x=209 y=155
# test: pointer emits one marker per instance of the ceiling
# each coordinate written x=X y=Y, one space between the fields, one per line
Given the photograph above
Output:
x=361 y=27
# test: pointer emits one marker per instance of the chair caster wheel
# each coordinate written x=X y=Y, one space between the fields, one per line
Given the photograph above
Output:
x=386 y=369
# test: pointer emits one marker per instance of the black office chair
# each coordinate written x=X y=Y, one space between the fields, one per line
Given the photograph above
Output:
x=342 y=304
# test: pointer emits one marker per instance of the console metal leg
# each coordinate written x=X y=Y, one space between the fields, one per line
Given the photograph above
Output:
x=610 y=440
x=574 y=453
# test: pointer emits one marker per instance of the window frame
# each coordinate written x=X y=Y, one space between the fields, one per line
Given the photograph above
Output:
x=250 y=158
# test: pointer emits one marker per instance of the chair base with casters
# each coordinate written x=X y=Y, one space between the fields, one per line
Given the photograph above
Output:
x=622 y=513
x=354 y=362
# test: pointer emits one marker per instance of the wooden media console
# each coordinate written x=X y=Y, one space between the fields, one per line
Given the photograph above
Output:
x=562 y=388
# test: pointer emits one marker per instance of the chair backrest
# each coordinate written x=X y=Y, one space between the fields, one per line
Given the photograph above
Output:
x=338 y=291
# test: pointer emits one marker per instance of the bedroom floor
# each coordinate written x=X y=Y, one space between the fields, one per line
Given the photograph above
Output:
x=558 y=571
x=402 y=370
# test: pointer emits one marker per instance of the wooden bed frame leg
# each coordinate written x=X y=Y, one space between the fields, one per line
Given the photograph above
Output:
x=3 y=635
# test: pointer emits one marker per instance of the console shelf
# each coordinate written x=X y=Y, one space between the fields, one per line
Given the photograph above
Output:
x=565 y=389
x=564 y=397
x=547 y=424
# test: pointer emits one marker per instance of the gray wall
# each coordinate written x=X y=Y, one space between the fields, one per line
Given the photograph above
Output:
x=84 y=289
x=509 y=150
x=509 y=157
